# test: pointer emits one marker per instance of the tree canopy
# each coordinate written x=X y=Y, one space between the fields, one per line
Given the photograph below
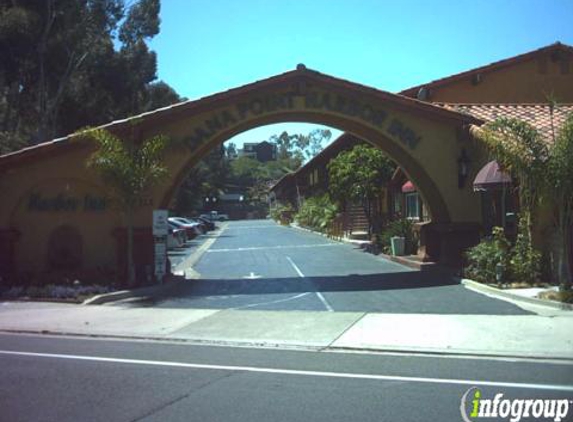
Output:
x=68 y=64
x=358 y=175
x=223 y=171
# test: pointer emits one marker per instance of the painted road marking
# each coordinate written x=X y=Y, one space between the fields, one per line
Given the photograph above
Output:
x=253 y=369
x=260 y=248
x=272 y=302
x=255 y=227
x=252 y=276
x=320 y=296
x=193 y=258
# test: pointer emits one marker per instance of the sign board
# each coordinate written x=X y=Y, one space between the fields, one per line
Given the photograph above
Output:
x=160 y=225
x=160 y=260
x=160 y=232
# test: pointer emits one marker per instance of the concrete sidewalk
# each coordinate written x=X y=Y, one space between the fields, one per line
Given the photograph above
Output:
x=512 y=336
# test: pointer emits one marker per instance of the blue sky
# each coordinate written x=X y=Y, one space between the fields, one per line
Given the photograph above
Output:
x=208 y=46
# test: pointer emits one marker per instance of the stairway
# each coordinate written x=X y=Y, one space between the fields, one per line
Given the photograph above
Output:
x=356 y=223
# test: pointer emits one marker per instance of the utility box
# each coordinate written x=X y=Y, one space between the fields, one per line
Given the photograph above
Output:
x=398 y=245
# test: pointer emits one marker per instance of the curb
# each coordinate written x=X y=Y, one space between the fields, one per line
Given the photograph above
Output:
x=334 y=239
x=422 y=266
x=460 y=353
x=482 y=288
x=193 y=258
x=171 y=283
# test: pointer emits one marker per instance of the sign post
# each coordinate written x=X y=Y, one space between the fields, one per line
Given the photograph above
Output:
x=160 y=232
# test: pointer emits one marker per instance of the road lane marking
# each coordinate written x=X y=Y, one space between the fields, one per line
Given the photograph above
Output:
x=260 y=248
x=320 y=296
x=298 y=271
x=190 y=260
x=255 y=227
x=272 y=302
x=254 y=369
x=252 y=276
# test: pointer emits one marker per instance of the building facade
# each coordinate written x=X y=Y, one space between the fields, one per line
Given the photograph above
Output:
x=50 y=200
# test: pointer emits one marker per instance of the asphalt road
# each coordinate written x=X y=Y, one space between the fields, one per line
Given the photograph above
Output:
x=264 y=266
x=69 y=379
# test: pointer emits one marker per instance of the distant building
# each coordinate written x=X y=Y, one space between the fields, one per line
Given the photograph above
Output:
x=260 y=151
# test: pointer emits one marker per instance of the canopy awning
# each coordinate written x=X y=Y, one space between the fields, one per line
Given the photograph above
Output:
x=491 y=177
x=408 y=187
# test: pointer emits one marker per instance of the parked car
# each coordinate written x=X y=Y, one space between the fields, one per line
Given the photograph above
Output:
x=185 y=234
x=190 y=226
x=202 y=225
x=215 y=216
x=176 y=238
x=223 y=217
x=208 y=223
x=190 y=231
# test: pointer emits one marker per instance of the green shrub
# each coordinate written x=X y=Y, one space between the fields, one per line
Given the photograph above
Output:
x=317 y=213
x=520 y=262
x=399 y=228
x=525 y=261
x=485 y=256
x=283 y=213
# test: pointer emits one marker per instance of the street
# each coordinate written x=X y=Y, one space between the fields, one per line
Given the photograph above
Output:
x=281 y=324
x=260 y=265
x=69 y=379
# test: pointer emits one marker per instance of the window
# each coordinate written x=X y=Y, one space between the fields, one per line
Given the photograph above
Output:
x=412 y=205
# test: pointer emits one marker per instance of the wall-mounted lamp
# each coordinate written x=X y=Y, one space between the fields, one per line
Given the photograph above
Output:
x=463 y=168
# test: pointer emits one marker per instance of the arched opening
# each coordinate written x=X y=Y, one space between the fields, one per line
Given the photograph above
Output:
x=428 y=189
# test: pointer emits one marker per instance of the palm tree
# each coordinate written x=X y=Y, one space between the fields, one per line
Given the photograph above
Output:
x=560 y=184
x=542 y=172
x=129 y=170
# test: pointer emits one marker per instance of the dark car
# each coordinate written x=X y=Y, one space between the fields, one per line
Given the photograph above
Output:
x=208 y=223
x=191 y=231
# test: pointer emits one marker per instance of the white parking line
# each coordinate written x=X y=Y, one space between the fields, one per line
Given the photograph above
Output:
x=320 y=296
x=260 y=248
x=272 y=302
x=427 y=380
x=255 y=227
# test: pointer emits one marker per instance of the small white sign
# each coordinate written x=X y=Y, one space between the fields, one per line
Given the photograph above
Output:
x=160 y=224
x=160 y=259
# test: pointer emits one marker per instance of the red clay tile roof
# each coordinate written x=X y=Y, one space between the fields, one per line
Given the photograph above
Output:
x=413 y=91
x=537 y=115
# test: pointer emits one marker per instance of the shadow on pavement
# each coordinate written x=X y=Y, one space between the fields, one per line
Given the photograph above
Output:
x=353 y=282
x=403 y=292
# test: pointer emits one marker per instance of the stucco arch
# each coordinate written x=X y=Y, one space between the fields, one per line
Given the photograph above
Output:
x=424 y=139
x=437 y=206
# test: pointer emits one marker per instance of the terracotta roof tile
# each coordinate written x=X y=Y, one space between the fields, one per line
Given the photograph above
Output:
x=537 y=115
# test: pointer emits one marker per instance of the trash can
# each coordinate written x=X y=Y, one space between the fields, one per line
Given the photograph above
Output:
x=398 y=245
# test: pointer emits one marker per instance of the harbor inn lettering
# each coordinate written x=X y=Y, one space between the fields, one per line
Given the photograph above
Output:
x=64 y=203
x=312 y=101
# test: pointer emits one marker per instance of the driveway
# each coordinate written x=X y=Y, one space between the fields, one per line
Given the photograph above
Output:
x=260 y=265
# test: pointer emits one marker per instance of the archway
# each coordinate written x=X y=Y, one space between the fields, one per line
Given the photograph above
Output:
x=424 y=139
x=439 y=212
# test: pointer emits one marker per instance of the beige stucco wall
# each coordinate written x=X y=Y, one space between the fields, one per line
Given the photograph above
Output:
x=533 y=81
x=428 y=156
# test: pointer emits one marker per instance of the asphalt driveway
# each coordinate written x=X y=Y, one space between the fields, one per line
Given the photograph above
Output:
x=260 y=265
